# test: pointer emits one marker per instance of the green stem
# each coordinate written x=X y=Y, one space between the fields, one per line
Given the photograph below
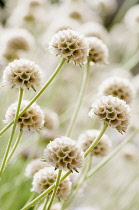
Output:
x=15 y=146
x=38 y=94
x=79 y=100
x=78 y=184
x=55 y=190
x=112 y=154
x=96 y=140
x=13 y=131
x=132 y=62
x=45 y=203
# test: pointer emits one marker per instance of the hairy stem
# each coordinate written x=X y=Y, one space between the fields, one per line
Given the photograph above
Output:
x=38 y=94
x=13 y=131
x=79 y=100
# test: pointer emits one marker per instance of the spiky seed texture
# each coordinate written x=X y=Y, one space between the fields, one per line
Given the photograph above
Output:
x=22 y=73
x=34 y=166
x=88 y=137
x=51 y=119
x=64 y=153
x=46 y=177
x=98 y=52
x=70 y=45
x=112 y=111
x=119 y=87
x=32 y=119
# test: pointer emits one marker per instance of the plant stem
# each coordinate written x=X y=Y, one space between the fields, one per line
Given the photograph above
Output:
x=79 y=100
x=13 y=131
x=96 y=140
x=38 y=94
x=132 y=62
x=55 y=189
x=113 y=153
x=15 y=146
x=45 y=203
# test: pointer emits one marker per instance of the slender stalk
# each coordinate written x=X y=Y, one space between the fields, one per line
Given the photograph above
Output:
x=132 y=62
x=112 y=154
x=45 y=203
x=96 y=140
x=15 y=146
x=79 y=100
x=38 y=94
x=13 y=131
x=78 y=184
x=55 y=189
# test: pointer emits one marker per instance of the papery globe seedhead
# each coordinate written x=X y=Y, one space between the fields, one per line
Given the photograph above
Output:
x=46 y=177
x=88 y=137
x=32 y=119
x=64 y=153
x=98 y=52
x=112 y=111
x=22 y=73
x=118 y=87
x=70 y=45
x=34 y=166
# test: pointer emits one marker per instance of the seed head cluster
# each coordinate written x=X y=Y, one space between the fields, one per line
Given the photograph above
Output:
x=46 y=177
x=22 y=73
x=70 y=45
x=112 y=111
x=32 y=119
x=64 y=153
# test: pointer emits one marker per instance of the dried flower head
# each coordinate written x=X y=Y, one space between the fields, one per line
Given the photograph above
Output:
x=98 y=52
x=64 y=153
x=22 y=73
x=51 y=119
x=112 y=111
x=34 y=166
x=32 y=119
x=70 y=45
x=118 y=87
x=46 y=177
x=103 y=146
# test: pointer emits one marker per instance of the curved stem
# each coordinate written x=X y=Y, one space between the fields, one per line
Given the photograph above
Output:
x=55 y=190
x=38 y=94
x=15 y=146
x=96 y=140
x=132 y=62
x=112 y=154
x=79 y=100
x=13 y=131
